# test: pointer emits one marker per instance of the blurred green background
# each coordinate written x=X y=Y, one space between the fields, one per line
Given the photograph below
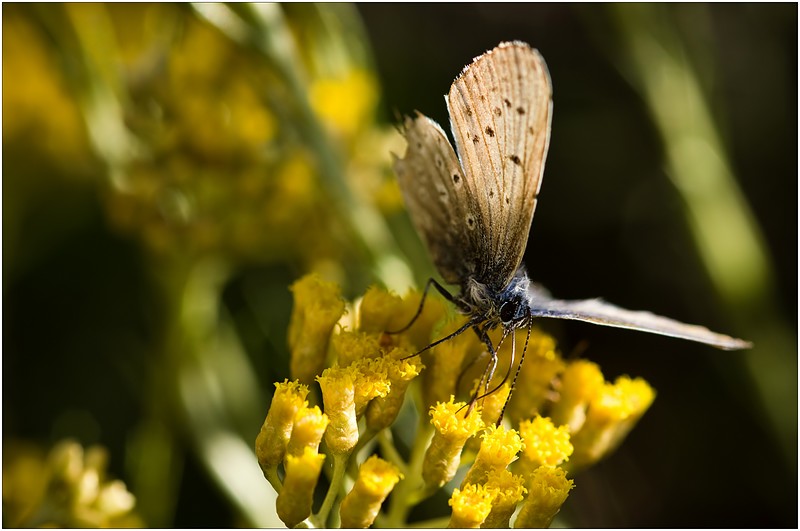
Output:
x=169 y=170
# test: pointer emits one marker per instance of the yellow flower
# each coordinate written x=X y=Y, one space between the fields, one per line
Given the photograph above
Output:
x=548 y=488
x=544 y=443
x=383 y=410
x=371 y=379
x=309 y=427
x=452 y=431
x=338 y=396
x=446 y=362
x=271 y=442
x=419 y=333
x=508 y=491
x=376 y=479
x=492 y=405
x=377 y=310
x=580 y=383
x=302 y=472
x=471 y=506
x=317 y=307
x=70 y=489
x=351 y=346
x=611 y=415
x=499 y=448
x=542 y=365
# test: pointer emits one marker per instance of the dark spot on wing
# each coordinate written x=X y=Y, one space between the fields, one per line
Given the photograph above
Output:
x=515 y=159
x=530 y=130
x=497 y=111
x=520 y=110
x=489 y=131
x=508 y=201
x=470 y=222
x=469 y=111
x=491 y=193
x=456 y=178
x=475 y=139
x=508 y=103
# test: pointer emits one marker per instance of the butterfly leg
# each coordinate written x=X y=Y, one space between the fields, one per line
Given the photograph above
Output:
x=431 y=282
x=475 y=320
x=488 y=373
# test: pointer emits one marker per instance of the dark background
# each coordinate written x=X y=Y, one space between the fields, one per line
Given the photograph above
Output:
x=709 y=453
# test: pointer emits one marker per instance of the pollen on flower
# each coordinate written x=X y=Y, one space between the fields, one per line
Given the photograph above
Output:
x=274 y=436
x=545 y=444
x=338 y=396
x=376 y=479
x=318 y=305
x=548 y=488
x=508 y=491
x=499 y=447
x=302 y=472
x=452 y=431
x=471 y=505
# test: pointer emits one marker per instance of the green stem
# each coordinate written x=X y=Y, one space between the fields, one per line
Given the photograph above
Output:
x=407 y=492
x=339 y=468
x=390 y=452
x=272 y=476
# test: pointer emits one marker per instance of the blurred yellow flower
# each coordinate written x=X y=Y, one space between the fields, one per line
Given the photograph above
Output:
x=345 y=103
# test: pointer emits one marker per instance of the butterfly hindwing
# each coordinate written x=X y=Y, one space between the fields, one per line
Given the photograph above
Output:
x=441 y=208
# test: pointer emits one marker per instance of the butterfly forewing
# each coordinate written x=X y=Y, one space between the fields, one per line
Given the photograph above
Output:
x=441 y=208
x=602 y=313
x=500 y=109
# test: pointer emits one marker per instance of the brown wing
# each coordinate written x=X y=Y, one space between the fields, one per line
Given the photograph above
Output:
x=442 y=210
x=500 y=110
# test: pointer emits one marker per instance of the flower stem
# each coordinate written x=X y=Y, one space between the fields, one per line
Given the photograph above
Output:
x=407 y=492
x=339 y=467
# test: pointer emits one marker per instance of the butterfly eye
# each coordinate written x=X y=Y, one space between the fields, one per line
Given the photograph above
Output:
x=508 y=310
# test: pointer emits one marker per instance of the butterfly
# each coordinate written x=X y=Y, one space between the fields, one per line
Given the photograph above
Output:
x=474 y=209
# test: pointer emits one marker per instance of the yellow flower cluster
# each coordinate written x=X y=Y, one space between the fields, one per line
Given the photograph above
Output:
x=367 y=395
x=68 y=488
